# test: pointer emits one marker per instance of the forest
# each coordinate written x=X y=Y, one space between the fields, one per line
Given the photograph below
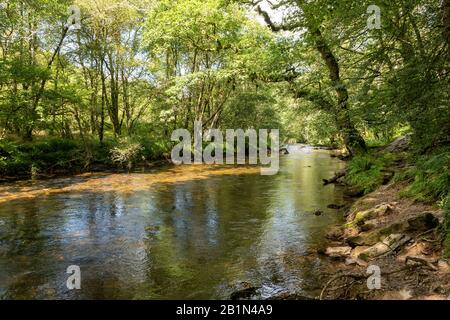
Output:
x=100 y=85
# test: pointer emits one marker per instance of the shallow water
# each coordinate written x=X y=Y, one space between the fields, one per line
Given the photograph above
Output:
x=188 y=232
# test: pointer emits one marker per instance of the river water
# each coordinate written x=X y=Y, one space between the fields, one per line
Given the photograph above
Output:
x=185 y=232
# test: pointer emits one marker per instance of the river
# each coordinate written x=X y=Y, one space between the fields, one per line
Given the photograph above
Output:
x=185 y=232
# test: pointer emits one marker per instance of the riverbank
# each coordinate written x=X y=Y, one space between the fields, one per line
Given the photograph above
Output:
x=393 y=234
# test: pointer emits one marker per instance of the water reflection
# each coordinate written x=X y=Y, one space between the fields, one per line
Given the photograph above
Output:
x=186 y=232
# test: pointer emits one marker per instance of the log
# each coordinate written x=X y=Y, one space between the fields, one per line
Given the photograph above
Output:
x=337 y=175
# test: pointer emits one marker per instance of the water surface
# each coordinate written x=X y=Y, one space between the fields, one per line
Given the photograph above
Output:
x=187 y=232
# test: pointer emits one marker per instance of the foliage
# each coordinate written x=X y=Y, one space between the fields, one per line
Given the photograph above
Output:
x=366 y=172
x=429 y=178
x=126 y=152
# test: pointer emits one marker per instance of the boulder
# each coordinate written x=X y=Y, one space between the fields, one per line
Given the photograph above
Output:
x=369 y=225
x=374 y=251
x=377 y=211
x=390 y=243
x=422 y=222
x=399 y=145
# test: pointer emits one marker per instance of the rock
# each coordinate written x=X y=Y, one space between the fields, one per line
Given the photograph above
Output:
x=390 y=243
x=338 y=252
x=423 y=222
x=338 y=174
x=392 y=239
x=355 y=241
x=399 y=145
x=369 y=225
x=335 y=234
x=318 y=213
x=243 y=291
x=443 y=266
x=374 y=251
x=335 y=206
x=289 y=296
x=353 y=192
x=355 y=261
x=395 y=242
x=397 y=295
x=378 y=211
x=350 y=261
x=370 y=238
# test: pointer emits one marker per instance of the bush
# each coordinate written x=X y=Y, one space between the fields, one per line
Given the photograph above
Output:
x=365 y=171
x=126 y=152
x=430 y=177
x=26 y=159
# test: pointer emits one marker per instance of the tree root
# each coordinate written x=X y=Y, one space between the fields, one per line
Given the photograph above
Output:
x=422 y=261
x=358 y=277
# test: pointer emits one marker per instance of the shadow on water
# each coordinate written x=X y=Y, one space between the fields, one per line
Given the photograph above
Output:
x=184 y=232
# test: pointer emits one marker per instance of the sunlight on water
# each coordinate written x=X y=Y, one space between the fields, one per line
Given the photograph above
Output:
x=181 y=232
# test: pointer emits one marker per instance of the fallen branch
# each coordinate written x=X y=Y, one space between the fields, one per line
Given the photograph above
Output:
x=337 y=175
x=422 y=261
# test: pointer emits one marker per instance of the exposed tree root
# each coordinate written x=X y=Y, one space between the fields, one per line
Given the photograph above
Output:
x=359 y=277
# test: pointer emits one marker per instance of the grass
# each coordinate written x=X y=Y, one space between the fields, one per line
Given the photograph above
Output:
x=429 y=177
x=366 y=172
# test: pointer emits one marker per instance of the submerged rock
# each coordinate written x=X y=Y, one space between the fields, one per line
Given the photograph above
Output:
x=244 y=290
x=318 y=213
x=335 y=206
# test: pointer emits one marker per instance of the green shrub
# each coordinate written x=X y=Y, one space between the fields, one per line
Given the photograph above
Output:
x=365 y=172
x=126 y=152
x=430 y=177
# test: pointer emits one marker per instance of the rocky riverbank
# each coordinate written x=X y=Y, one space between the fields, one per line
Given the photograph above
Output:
x=396 y=234
x=390 y=247
x=398 y=237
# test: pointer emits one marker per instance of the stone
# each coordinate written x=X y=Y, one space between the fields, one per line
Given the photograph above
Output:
x=399 y=145
x=243 y=291
x=335 y=234
x=443 y=266
x=370 y=238
x=392 y=239
x=355 y=261
x=369 y=225
x=335 y=206
x=390 y=243
x=379 y=210
x=338 y=252
x=374 y=251
x=318 y=213
x=423 y=222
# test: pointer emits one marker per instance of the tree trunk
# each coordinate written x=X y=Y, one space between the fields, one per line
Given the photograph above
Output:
x=352 y=139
